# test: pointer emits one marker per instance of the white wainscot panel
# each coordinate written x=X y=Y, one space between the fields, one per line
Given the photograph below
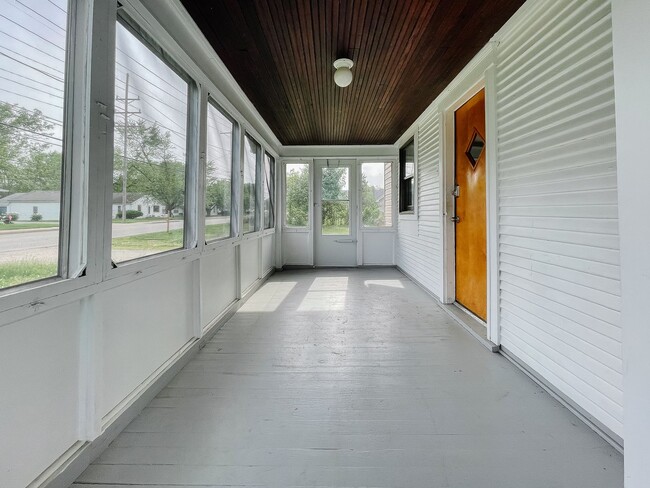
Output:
x=296 y=249
x=218 y=283
x=39 y=358
x=268 y=253
x=250 y=261
x=378 y=248
x=145 y=323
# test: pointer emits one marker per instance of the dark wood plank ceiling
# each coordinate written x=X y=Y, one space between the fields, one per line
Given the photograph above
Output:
x=405 y=53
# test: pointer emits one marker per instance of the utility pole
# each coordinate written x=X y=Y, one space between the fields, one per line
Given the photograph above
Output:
x=125 y=160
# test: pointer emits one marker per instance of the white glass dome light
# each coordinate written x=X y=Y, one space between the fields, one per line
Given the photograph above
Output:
x=343 y=74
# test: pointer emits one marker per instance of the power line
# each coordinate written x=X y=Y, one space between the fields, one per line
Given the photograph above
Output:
x=40 y=15
x=60 y=80
x=57 y=6
x=141 y=90
x=32 y=32
x=31 y=98
x=117 y=48
x=22 y=55
x=31 y=131
x=33 y=111
x=49 y=55
x=31 y=87
x=22 y=75
x=126 y=69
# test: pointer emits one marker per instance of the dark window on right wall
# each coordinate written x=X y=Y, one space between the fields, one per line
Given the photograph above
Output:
x=407 y=177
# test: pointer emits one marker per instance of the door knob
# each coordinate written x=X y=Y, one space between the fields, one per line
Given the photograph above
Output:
x=455 y=219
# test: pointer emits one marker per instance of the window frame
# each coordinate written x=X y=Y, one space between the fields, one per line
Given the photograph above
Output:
x=403 y=182
x=394 y=192
x=190 y=210
x=272 y=186
x=234 y=212
x=258 y=185
x=310 y=198
x=72 y=242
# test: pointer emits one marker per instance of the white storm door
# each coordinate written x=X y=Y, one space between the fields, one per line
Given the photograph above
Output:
x=335 y=214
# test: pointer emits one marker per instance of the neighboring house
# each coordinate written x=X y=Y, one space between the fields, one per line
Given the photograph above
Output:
x=142 y=203
x=45 y=203
x=48 y=204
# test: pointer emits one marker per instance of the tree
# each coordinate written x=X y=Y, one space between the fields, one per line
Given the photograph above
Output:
x=372 y=213
x=151 y=166
x=297 y=199
x=336 y=212
x=27 y=160
x=217 y=196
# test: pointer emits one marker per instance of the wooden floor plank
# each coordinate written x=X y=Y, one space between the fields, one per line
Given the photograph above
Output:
x=352 y=378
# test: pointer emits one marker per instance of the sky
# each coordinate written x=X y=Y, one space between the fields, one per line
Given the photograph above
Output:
x=32 y=59
x=32 y=71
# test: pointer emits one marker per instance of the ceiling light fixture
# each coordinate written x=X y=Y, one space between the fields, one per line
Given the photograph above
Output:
x=343 y=75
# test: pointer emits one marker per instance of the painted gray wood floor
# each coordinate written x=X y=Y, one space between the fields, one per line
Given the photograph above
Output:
x=352 y=378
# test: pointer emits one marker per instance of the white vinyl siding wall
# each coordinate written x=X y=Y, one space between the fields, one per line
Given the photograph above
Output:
x=558 y=227
x=419 y=253
x=558 y=257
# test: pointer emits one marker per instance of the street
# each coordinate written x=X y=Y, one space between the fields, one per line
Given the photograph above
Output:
x=42 y=245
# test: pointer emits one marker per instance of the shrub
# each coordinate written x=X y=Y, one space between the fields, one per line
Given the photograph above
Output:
x=130 y=214
x=10 y=218
x=36 y=218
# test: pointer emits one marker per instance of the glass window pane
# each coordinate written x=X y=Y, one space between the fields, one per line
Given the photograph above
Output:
x=335 y=195
x=251 y=153
x=218 y=184
x=336 y=217
x=33 y=47
x=150 y=145
x=269 y=188
x=407 y=177
x=376 y=194
x=335 y=184
x=297 y=195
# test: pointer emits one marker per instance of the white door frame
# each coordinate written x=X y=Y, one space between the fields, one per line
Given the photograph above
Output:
x=352 y=238
x=473 y=82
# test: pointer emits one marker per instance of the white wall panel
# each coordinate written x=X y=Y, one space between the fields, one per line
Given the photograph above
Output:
x=145 y=322
x=378 y=248
x=558 y=253
x=218 y=283
x=268 y=253
x=419 y=244
x=249 y=254
x=39 y=393
x=296 y=249
x=558 y=227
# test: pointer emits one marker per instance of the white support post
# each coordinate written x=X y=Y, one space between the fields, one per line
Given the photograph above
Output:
x=631 y=38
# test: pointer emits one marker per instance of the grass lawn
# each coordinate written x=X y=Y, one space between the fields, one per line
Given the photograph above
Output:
x=163 y=241
x=217 y=231
x=336 y=230
x=12 y=274
x=139 y=220
x=30 y=225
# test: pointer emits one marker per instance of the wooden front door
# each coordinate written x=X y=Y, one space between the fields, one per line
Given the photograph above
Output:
x=471 y=251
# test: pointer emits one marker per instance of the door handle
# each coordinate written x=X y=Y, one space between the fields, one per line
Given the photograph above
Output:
x=455 y=219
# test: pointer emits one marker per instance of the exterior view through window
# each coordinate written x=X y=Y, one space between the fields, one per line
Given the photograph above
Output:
x=251 y=158
x=150 y=146
x=269 y=190
x=376 y=194
x=33 y=48
x=218 y=184
x=335 y=201
x=297 y=195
